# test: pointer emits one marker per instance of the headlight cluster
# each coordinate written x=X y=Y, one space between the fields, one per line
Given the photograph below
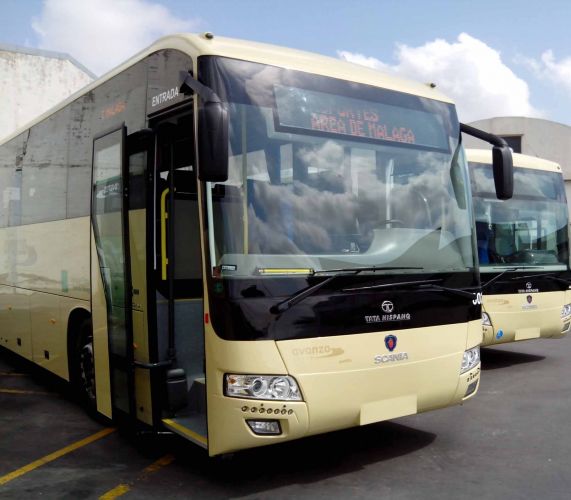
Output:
x=470 y=360
x=566 y=310
x=271 y=387
x=486 y=321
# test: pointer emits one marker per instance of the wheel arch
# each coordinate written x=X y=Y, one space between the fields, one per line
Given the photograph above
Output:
x=76 y=317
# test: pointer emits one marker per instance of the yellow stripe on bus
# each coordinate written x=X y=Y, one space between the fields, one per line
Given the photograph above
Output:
x=184 y=431
x=54 y=456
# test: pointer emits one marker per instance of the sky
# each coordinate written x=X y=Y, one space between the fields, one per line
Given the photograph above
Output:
x=493 y=57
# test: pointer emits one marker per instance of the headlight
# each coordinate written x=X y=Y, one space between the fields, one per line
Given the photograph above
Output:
x=566 y=310
x=470 y=360
x=486 y=321
x=271 y=387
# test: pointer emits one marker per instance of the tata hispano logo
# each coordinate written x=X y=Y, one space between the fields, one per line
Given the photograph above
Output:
x=528 y=288
x=388 y=309
x=387 y=306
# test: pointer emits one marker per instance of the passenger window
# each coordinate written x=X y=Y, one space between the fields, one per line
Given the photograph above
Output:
x=44 y=180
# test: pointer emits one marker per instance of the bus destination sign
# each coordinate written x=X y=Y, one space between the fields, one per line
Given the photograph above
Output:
x=307 y=110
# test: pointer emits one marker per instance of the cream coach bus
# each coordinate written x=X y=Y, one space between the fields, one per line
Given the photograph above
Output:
x=523 y=248
x=244 y=244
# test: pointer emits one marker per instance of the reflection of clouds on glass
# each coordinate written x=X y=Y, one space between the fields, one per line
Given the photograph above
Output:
x=341 y=200
x=416 y=203
x=484 y=180
x=329 y=156
x=332 y=195
x=297 y=218
x=528 y=184
x=259 y=83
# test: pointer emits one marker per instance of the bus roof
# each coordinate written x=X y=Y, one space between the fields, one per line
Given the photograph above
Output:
x=200 y=45
x=519 y=160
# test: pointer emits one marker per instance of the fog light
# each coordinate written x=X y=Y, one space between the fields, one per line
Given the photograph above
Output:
x=565 y=328
x=265 y=427
x=471 y=388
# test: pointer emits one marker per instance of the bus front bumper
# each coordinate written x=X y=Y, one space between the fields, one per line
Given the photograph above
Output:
x=232 y=417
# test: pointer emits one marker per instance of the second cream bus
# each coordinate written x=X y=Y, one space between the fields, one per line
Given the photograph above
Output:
x=523 y=249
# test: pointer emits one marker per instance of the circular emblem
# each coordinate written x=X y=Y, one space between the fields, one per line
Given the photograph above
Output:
x=390 y=342
x=387 y=306
x=528 y=285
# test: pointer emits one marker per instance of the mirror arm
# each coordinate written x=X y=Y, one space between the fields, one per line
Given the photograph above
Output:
x=189 y=85
x=484 y=136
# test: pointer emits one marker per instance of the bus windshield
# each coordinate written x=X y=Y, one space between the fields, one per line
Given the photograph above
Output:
x=528 y=230
x=329 y=174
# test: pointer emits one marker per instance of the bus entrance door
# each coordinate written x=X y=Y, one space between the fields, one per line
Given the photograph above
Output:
x=178 y=277
x=111 y=293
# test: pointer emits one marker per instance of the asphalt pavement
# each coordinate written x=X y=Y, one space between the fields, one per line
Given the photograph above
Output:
x=512 y=441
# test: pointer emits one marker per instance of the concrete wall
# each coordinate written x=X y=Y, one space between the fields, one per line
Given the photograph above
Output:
x=541 y=138
x=32 y=81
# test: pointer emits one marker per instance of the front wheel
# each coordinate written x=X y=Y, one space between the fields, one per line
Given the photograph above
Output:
x=84 y=366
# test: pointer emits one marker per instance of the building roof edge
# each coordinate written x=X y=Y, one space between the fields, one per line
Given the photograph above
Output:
x=48 y=54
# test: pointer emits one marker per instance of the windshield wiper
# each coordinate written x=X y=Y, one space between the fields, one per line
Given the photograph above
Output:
x=509 y=270
x=284 y=305
x=390 y=285
x=549 y=276
x=422 y=284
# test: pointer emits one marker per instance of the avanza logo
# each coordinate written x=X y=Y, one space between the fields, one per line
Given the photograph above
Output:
x=319 y=351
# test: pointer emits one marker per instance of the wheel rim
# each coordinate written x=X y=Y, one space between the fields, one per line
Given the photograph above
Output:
x=87 y=367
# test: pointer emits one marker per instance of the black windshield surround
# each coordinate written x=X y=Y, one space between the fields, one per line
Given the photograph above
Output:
x=241 y=308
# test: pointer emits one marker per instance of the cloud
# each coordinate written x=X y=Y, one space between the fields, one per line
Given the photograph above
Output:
x=548 y=68
x=103 y=33
x=468 y=70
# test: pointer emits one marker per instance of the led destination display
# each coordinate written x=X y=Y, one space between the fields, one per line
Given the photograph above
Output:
x=322 y=113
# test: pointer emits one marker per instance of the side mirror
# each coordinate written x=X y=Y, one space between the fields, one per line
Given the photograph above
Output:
x=503 y=172
x=501 y=158
x=213 y=142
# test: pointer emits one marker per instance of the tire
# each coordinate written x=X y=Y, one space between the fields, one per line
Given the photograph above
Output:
x=83 y=366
